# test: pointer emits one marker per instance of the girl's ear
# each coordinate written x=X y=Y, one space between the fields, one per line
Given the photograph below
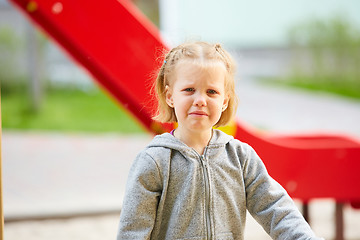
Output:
x=225 y=104
x=168 y=95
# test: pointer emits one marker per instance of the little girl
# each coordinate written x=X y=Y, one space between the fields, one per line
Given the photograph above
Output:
x=197 y=182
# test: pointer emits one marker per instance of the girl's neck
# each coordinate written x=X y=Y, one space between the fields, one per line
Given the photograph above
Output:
x=196 y=140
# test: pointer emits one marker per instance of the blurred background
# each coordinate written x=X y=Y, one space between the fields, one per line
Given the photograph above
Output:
x=67 y=145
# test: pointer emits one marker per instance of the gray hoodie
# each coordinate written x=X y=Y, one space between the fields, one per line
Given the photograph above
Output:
x=174 y=193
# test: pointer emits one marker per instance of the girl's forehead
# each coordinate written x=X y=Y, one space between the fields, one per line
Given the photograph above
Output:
x=200 y=65
x=195 y=71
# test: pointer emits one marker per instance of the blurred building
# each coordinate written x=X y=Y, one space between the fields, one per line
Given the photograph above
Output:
x=256 y=30
x=245 y=24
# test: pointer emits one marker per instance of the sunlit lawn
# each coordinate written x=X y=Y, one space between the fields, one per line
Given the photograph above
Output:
x=68 y=110
x=340 y=88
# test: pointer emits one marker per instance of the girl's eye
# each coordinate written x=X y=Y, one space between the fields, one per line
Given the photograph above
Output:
x=189 y=90
x=211 y=91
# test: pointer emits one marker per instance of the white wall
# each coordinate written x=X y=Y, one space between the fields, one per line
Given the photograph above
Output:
x=240 y=23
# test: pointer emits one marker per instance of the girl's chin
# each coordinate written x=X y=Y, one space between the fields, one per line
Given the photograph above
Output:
x=199 y=128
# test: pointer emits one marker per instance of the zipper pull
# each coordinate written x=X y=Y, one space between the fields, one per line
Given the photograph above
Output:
x=205 y=163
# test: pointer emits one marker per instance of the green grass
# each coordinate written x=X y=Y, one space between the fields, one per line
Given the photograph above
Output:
x=69 y=111
x=349 y=89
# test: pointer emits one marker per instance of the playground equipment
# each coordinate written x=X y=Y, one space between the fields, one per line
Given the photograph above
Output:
x=120 y=48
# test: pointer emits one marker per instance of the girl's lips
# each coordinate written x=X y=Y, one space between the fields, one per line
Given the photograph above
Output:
x=198 y=113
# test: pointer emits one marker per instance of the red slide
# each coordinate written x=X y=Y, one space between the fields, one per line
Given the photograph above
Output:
x=120 y=48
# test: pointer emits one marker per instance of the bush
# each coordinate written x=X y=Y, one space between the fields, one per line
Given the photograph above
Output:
x=11 y=77
x=326 y=55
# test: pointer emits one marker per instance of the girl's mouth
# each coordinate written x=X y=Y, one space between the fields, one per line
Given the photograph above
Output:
x=198 y=113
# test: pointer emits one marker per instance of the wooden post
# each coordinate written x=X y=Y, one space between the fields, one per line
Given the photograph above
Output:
x=1 y=195
x=305 y=211
x=339 y=219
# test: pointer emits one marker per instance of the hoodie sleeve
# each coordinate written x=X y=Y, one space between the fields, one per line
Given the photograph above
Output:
x=270 y=205
x=140 y=203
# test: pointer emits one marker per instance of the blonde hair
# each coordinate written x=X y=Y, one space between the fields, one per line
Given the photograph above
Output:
x=199 y=53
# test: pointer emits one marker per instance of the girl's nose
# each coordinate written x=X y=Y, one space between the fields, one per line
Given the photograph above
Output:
x=200 y=100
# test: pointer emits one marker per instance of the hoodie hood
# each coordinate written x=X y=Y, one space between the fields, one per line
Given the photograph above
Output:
x=218 y=140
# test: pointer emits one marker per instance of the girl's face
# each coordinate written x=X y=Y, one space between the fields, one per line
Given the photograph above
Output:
x=197 y=96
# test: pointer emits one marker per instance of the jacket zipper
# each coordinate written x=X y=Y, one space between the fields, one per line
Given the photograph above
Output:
x=207 y=195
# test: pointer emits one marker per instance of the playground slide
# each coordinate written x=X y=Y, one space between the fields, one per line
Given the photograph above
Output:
x=120 y=48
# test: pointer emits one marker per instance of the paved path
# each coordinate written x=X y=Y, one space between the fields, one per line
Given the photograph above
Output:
x=46 y=174
x=286 y=110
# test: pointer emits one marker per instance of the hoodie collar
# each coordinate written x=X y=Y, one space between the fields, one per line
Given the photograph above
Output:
x=218 y=140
